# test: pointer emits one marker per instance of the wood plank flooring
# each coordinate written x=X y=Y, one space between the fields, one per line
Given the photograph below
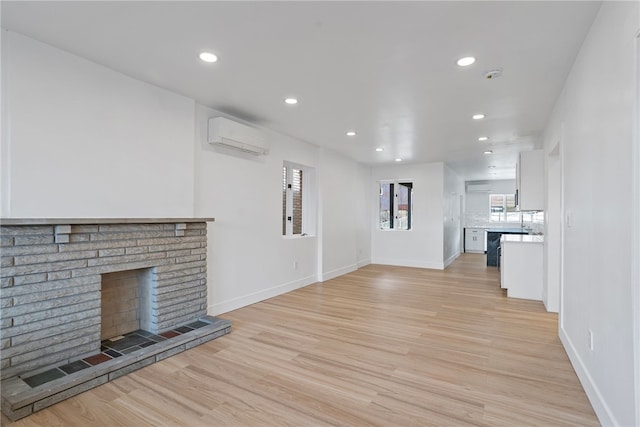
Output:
x=389 y=346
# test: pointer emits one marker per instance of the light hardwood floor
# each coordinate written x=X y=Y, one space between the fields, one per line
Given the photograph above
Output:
x=384 y=345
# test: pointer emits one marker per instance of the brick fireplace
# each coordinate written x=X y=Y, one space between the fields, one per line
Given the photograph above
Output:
x=67 y=284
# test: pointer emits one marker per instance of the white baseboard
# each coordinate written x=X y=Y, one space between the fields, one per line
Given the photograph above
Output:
x=338 y=272
x=364 y=262
x=451 y=259
x=602 y=410
x=245 y=300
x=405 y=263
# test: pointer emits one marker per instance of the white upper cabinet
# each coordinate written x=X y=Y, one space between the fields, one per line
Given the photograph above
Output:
x=530 y=180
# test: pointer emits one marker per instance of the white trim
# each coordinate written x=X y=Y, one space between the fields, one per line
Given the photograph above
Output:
x=364 y=262
x=5 y=134
x=408 y=263
x=449 y=260
x=602 y=410
x=396 y=185
x=338 y=272
x=562 y=142
x=635 y=227
x=245 y=300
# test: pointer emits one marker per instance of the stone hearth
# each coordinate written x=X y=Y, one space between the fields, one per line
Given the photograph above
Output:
x=50 y=295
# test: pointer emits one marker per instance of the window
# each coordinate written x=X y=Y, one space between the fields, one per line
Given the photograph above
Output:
x=502 y=208
x=396 y=203
x=298 y=216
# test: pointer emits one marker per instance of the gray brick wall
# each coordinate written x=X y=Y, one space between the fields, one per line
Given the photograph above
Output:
x=51 y=279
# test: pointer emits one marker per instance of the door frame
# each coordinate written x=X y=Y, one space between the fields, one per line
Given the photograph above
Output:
x=635 y=250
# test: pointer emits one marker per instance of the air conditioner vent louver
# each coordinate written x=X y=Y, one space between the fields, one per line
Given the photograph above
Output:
x=228 y=134
x=241 y=146
x=478 y=188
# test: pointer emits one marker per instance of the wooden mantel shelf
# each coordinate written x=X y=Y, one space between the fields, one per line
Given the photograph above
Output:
x=78 y=221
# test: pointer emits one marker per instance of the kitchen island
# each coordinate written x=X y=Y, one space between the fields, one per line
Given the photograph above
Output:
x=493 y=242
x=521 y=266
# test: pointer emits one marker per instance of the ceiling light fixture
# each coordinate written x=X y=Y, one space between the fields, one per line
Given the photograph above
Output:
x=488 y=152
x=478 y=116
x=291 y=101
x=466 y=61
x=491 y=167
x=351 y=133
x=483 y=138
x=379 y=149
x=208 y=57
x=398 y=160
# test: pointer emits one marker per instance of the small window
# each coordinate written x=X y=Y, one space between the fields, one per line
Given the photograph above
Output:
x=502 y=208
x=396 y=203
x=297 y=200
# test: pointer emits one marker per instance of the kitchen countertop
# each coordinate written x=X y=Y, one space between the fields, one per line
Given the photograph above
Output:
x=521 y=238
x=508 y=230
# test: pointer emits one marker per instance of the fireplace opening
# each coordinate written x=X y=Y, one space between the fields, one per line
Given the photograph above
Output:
x=125 y=305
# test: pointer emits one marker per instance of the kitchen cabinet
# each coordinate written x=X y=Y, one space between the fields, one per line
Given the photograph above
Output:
x=530 y=181
x=493 y=242
x=521 y=266
x=474 y=240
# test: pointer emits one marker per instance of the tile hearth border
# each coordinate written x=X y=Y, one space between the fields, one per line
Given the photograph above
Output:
x=20 y=400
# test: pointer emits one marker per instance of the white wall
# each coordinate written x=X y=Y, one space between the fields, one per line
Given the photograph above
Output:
x=594 y=118
x=248 y=258
x=453 y=189
x=339 y=183
x=477 y=204
x=80 y=140
x=86 y=141
x=422 y=245
x=363 y=198
x=553 y=231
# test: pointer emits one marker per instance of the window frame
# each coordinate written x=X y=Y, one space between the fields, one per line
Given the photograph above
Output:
x=536 y=217
x=308 y=203
x=394 y=219
x=505 y=213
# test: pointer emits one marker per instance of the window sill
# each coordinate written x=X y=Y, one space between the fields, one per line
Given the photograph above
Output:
x=298 y=236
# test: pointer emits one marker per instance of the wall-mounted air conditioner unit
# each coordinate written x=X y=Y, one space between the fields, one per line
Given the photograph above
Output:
x=478 y=188
x=236 y=136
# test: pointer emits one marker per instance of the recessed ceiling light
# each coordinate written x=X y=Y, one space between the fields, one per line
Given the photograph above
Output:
x=379 y=149
x=466 y=61
x=483 y=138
x=351 y=133
x=488 y=152
x=208 y=57
x=398 y=160
x=291 y=101
x=478 y=116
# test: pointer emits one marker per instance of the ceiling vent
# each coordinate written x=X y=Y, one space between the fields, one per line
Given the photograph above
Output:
x=232 y=135
x=478 y=188
x=493 y=74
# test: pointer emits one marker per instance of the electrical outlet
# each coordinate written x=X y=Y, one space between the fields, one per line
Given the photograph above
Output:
x=295 y=265
x=590 y=340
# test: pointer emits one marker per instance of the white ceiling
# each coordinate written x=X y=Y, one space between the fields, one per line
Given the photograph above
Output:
x=385 y=69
